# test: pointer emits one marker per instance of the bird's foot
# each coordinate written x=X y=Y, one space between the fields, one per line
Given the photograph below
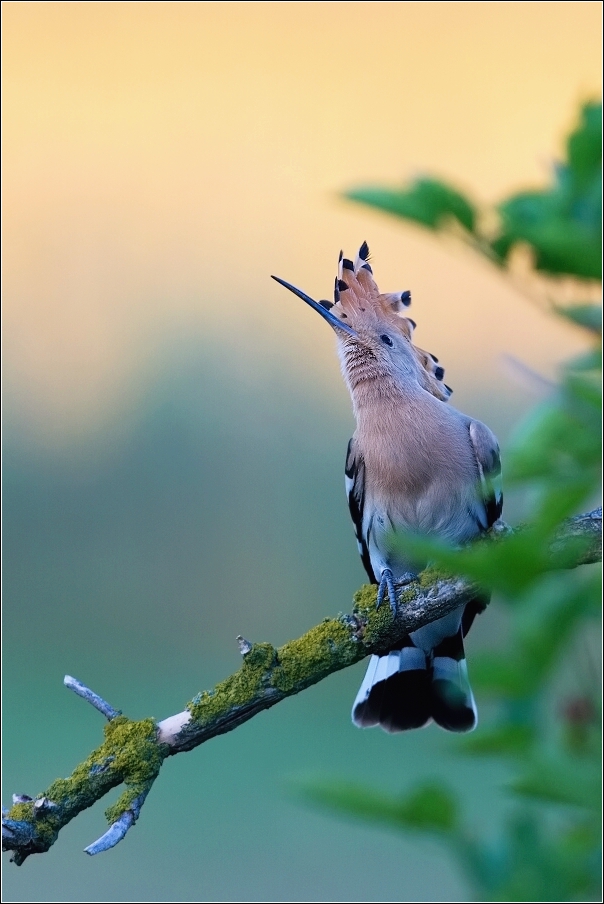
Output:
x=387 y=583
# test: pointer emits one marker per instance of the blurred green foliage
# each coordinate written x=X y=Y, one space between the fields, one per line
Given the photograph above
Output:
x=562 y=223
x=549 y=848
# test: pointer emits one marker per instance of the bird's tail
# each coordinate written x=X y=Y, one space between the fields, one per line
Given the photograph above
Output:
x=451 y=697
x=415 y=684
x=395 y=693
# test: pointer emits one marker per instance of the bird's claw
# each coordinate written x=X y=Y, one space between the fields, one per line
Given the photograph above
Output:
x=387 y=583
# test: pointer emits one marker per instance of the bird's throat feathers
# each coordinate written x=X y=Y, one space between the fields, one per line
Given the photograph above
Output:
x=380 y=362
x=369 y=378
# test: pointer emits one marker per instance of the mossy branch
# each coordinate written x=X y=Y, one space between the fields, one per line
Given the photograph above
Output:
x=133 y=752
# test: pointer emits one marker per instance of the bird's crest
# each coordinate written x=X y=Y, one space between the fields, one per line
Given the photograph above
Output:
x=358 y=300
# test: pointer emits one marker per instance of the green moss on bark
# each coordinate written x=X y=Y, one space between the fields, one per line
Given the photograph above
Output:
x=129 y=754
x=324 y=649
x=238 y=689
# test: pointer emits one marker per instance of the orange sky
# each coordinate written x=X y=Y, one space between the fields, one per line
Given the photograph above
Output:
x=162 y=159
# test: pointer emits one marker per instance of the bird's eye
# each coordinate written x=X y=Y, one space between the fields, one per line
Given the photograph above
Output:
x=386 y=340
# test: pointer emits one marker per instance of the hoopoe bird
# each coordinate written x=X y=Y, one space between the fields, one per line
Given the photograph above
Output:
x=415 y=464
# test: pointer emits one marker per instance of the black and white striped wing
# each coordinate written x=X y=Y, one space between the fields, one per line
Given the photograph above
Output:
x=355 y=490
x=488 y=463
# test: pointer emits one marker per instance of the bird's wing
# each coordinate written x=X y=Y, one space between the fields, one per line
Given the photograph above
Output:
x=488 y=463
x=355 y=490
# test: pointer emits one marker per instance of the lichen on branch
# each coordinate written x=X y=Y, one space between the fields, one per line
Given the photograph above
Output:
x=134 y=751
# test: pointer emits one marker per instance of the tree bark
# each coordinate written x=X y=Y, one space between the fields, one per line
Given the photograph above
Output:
x=133 y=752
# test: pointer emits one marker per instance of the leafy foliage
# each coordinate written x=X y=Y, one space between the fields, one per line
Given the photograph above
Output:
x=431 y=807
x=562 y=223
x=556 y=458
x=426 y=201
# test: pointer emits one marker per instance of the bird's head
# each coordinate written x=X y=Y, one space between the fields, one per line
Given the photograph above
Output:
x=375 y=337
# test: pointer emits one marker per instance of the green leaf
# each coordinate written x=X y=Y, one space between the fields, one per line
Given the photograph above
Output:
x=544 y=620
x=548 y=619
x=586 y=315
x=562 y=223
x=500 y=676
x=585 y=388
x=502 y=740
x=584 y=146
x=561 y=440
x=562 y=780
x=589 y=361
x=535 y=867
x=427 y=201
x=560 y=502
x=429 y=808
x=509 y=566
x=561 y=246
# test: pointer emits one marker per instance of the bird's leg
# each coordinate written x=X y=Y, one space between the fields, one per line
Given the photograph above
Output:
x=387 y=583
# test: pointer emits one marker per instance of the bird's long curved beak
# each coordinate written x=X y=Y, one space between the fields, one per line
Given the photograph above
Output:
x=334 y=321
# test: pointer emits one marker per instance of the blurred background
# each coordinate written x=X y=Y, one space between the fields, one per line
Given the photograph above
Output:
x=175 y=423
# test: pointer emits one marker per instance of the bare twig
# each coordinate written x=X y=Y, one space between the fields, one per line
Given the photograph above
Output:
x=133 y=752
x=82 y=691
x=117 y=829
x=244 y=645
